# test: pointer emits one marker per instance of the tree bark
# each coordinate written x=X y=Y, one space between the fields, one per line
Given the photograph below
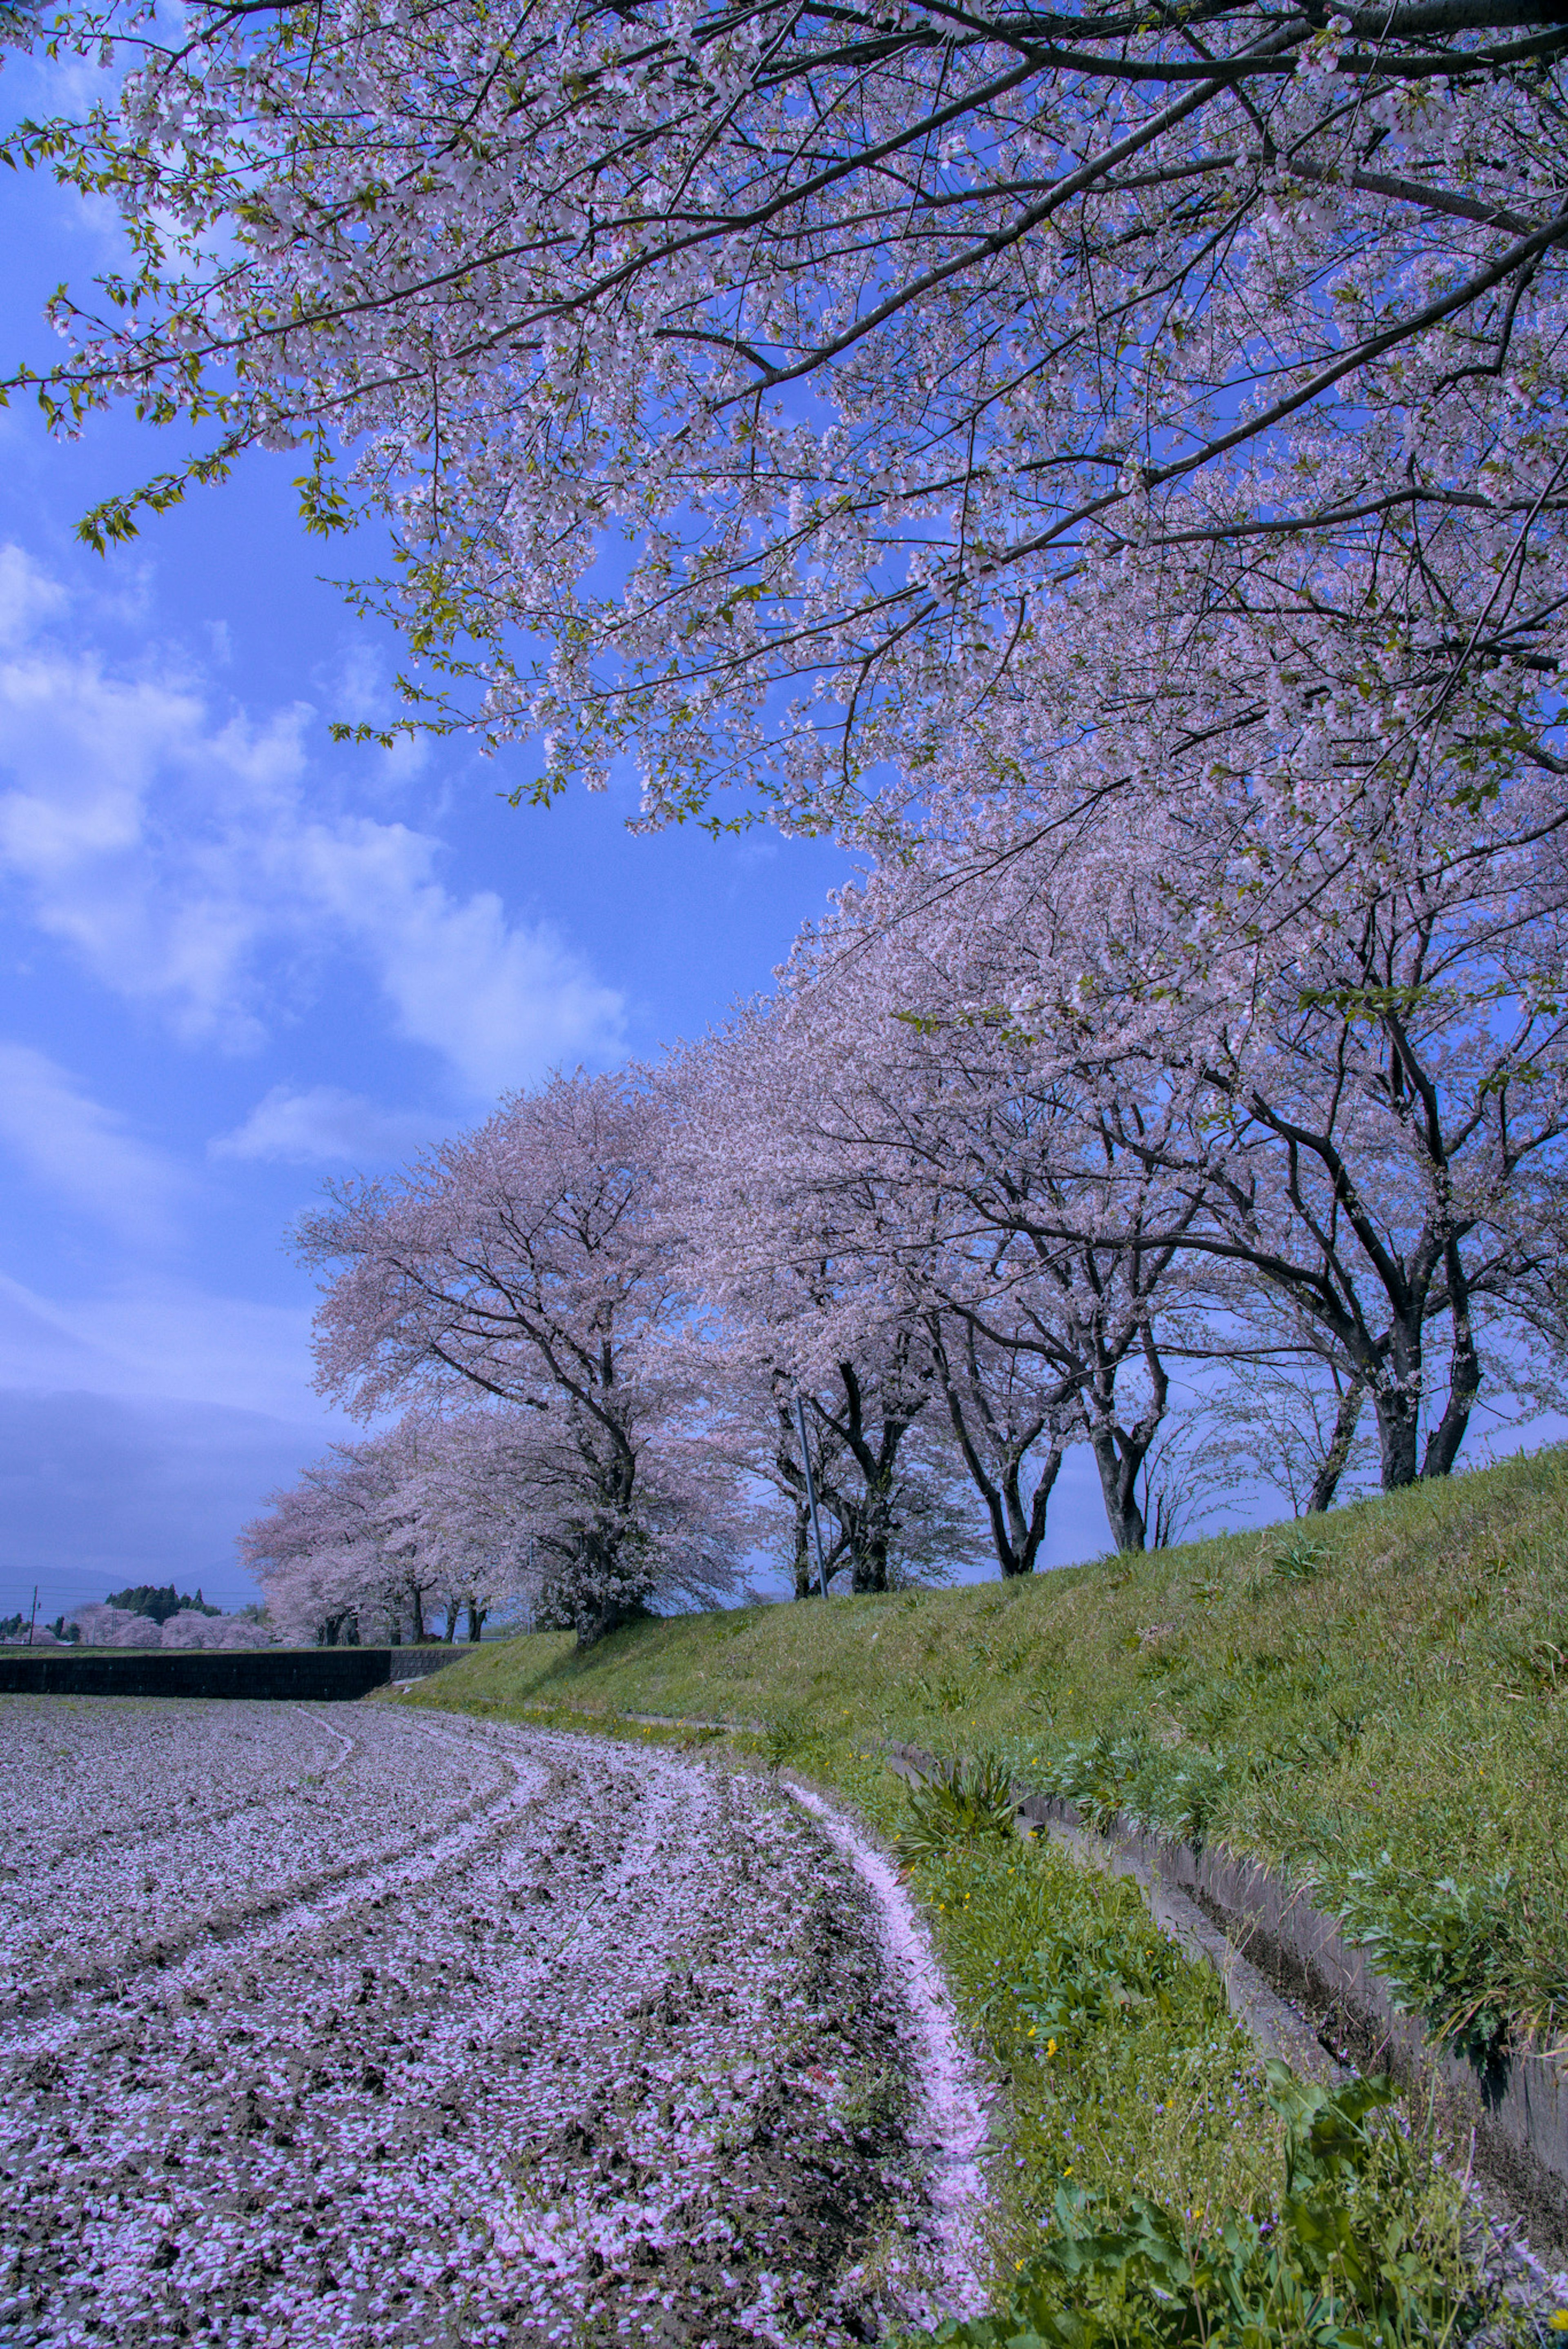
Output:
x=1464 y=1378
x=1325 y=1483
x=1396 y=1399
x=1027 y=1531
x=807 y=1580
x=613 y=1616
x=1119 y=1484
x=870 y=1571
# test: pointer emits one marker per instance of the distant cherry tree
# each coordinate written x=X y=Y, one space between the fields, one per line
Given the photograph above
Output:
x=532 y=1262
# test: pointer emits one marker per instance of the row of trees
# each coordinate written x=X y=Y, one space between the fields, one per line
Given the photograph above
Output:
x=113 y=1624
x=1105 y=464
x=1108 y=1142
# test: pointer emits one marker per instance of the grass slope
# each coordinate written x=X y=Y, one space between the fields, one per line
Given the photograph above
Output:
x=1374 y=1702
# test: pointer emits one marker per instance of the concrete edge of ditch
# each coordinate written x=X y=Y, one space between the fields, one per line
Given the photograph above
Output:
x=1274 y=2025
x=1262 y=1937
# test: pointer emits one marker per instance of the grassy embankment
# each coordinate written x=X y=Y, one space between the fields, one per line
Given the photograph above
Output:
x=1374 y=1705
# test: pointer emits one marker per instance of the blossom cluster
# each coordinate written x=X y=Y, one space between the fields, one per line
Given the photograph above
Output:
x=1075 y=398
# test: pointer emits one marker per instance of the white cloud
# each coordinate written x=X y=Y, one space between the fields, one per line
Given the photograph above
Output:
x=79 y=1153
x=146 y=1337
x=179 y=856
x=503 y=1003
x=27 y=595
x=325 y=1126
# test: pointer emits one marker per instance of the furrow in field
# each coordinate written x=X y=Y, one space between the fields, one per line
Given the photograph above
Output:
x=620 y=2057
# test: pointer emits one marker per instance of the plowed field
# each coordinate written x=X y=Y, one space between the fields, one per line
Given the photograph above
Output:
x=328 y=2024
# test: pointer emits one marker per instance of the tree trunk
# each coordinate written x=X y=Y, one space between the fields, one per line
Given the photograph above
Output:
x=1016 y=1532
x=1464 y=1378
x=806 y=1583
x=1325 y=1483
x=612 y=1616
x=870 y=1529
x=1396 y=1399
x=870 y=1568
x=476 y=1615
x=1119 y=1484
x=1027 y=1532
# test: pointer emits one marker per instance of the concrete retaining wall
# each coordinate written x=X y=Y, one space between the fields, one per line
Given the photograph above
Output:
x=316 y=1674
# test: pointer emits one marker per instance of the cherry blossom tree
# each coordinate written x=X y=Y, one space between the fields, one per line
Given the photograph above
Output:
x=318 y=1552
x=193 y=1629
x=1011 y=1425
x=803 y=1315
x=821 y=1259
x=880 y=1109
x=531 y=1262
x=1295 y=1419
x=476 y=1509
x=101 y=1625
x=959 y=386
x=1320 y=1046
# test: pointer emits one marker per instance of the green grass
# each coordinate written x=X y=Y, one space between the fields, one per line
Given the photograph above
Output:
x=1374 y=1703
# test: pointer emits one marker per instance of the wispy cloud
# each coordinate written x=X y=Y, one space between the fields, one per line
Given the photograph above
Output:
x=79 y=1153
x=182 y=855
x=27 y=595
x=147 y=1335
x=325 y=1126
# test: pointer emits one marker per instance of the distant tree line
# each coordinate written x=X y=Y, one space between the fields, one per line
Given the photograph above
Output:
x=159 y=1601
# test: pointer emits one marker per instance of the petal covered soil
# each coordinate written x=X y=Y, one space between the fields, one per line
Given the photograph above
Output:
x=341 y=2025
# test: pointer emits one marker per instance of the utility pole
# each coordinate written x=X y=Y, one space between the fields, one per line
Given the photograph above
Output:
x=811 y=1490
x=33 y=1618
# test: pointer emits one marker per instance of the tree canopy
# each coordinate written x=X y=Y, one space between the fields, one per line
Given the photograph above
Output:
x=844 y=400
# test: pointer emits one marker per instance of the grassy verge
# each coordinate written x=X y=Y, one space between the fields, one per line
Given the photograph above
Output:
x=1155 y=2183
x=1376 y=1706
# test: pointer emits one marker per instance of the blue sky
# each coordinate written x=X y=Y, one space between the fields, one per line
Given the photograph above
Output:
x=238 y=958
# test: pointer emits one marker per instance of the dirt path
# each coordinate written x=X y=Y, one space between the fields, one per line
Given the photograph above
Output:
x=333 y=2025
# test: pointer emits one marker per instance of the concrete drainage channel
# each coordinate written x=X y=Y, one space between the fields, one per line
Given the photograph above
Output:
x=1276 y=2027
x=1219 y=1907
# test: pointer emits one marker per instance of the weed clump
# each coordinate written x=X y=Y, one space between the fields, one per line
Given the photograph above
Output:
x=957 y=1802
x=783 y=1735
x=1363 y=2248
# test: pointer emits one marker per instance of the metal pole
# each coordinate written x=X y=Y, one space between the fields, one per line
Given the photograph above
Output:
x=811 y=1491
